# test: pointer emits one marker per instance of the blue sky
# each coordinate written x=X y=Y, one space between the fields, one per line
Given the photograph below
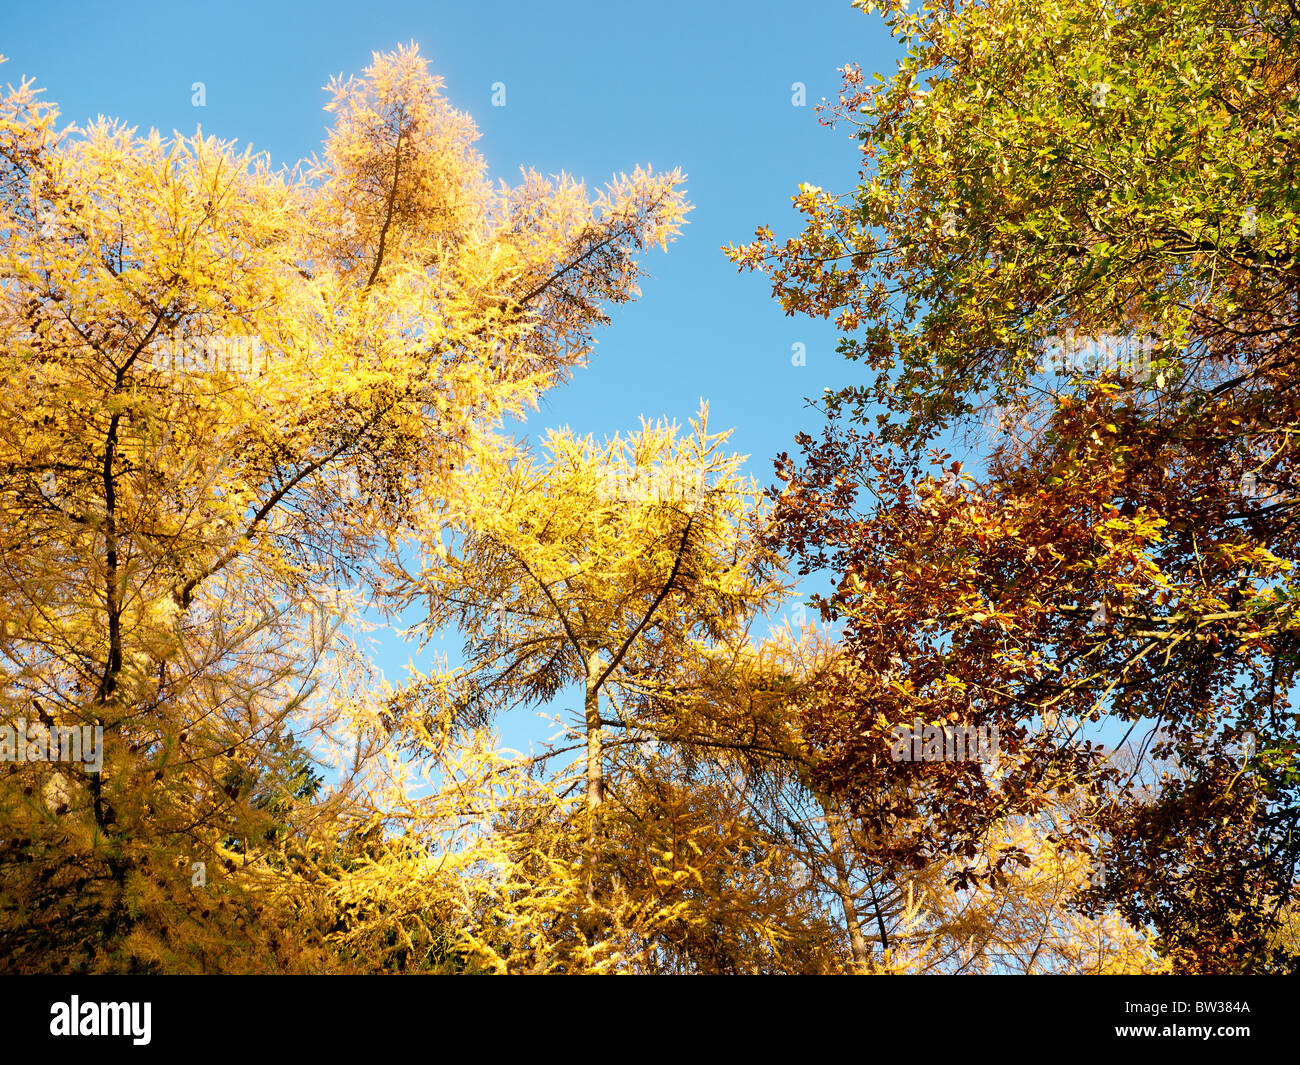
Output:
x=592 y=88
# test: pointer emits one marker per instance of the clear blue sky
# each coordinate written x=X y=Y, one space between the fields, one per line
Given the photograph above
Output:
x=591 y=88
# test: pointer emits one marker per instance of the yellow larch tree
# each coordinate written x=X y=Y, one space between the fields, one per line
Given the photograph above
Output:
x=612 y=570
x=224 y=384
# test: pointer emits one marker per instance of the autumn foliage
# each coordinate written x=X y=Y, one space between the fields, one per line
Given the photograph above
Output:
x=1113 y=562
x=250 y=413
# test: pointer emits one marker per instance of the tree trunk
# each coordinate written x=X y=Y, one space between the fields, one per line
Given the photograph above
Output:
x=845 y=890
x=592 y=924
x=595 y=778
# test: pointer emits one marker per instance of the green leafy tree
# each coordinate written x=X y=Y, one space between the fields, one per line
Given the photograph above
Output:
x=1072 y=248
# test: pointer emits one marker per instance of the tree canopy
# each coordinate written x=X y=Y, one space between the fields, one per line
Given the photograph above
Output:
x=249 y=412
x=1072 y=251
